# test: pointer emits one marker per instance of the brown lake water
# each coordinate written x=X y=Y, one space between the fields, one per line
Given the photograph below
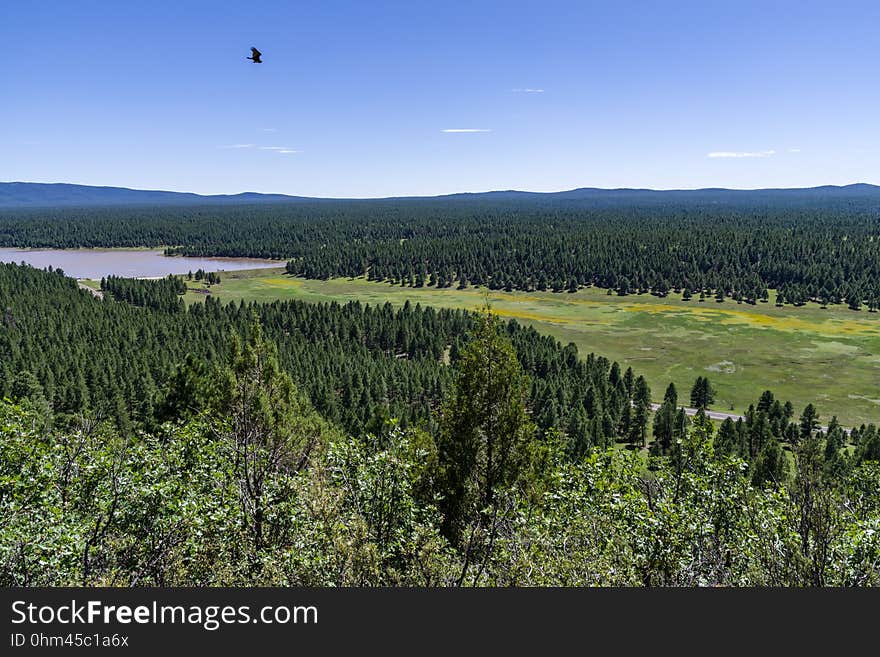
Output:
x=131 y=263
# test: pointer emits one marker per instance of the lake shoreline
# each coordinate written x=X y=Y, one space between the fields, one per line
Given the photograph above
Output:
x=147 y=263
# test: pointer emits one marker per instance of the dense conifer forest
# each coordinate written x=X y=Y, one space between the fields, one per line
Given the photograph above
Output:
x=358 y=364
x=808 y=249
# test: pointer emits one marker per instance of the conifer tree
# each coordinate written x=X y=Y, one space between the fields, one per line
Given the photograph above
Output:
x=484 y=430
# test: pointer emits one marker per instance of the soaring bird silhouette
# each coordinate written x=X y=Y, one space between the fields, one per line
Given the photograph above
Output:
x=255 y=56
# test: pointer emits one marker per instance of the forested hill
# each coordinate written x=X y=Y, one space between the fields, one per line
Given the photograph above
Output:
x=358 y=364
x=706 y=195
x=27 y=194
x=56 y=195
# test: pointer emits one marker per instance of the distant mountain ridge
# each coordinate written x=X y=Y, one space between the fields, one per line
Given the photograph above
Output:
x=27 y=194
x=854 y=190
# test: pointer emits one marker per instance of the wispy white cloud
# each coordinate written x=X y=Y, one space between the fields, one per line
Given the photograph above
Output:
x=284 y=150
x=794 y=150
x=270 y=129
x=467 y=130
x=279 y=149
x=738 y=154
x=527 y=91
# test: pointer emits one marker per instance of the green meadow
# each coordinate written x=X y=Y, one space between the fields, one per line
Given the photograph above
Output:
x=827 y=356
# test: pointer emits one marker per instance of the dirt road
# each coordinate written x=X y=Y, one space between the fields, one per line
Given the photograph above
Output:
x=97 y=293
x=720 y=415
x=714 y=415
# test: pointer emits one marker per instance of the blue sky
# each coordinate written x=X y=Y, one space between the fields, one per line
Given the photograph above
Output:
x=356 y=99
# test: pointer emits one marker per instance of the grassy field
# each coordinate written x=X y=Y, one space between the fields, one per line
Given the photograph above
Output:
x=95 y=285
x=827 y=356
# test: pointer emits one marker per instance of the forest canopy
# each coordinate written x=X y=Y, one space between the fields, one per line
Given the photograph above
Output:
x=807 y=249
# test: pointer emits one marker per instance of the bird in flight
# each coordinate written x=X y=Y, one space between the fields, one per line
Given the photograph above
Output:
x=255 y=56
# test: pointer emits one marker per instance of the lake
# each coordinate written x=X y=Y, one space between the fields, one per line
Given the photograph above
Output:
x=131 y=263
